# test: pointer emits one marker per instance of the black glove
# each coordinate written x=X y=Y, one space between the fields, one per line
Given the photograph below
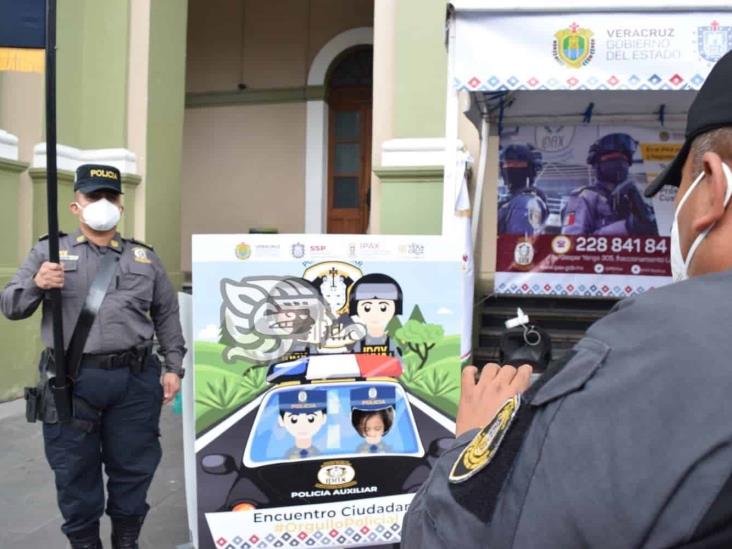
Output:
x=628 y=203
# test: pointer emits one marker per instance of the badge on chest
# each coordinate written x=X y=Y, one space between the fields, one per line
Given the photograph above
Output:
x=67 y=260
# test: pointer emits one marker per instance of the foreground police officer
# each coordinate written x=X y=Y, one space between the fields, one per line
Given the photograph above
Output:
x=629 y=443
x=525 y=209
x=118 y=392
x=612 y=205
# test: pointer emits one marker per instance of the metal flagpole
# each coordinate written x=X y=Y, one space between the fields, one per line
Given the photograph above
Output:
x=60 y=385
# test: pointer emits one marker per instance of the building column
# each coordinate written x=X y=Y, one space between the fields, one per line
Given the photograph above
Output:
x=163 y=148
x=18 y=361
x=411 y=165
x=121 y=92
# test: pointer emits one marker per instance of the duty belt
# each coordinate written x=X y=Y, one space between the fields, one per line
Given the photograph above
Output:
x=134 y=359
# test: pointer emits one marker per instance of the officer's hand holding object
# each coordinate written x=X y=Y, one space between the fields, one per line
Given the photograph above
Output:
x=50 y=275
x=171 y=386
x=481 y=398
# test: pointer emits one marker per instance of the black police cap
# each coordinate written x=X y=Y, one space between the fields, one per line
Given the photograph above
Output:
x=95 y=177
x=711 y=109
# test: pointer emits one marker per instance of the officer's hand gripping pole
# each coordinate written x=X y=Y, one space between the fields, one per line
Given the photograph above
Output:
x=60 y=385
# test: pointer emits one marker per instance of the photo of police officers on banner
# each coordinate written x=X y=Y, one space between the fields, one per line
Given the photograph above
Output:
x=578 y=180
x=572 y=218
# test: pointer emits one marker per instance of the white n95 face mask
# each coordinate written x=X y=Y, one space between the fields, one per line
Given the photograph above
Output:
x=679 y=265
x=101 y=215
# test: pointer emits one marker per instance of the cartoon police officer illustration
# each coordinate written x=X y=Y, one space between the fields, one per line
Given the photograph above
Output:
x=302 y=414
x=375 y=299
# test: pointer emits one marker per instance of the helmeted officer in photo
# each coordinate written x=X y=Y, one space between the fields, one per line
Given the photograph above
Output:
x=524 y=211
x=627 y=440
x=612 y=204
x=119 y=387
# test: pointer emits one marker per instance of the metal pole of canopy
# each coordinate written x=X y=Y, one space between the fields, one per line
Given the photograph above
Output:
x=60 y=385
x=480 y=181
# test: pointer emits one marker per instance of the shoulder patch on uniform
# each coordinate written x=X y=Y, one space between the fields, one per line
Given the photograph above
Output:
x=45 y=236
x=141 y=255
x=483 y=447
x=133 y=241
x=481 y=494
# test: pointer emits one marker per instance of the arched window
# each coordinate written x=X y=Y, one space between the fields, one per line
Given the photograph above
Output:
x=348 y=94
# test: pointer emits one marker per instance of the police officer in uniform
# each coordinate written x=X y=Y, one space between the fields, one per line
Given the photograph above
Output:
x=120 y=385
x=612 y=205
x=525 y=210
x=627 y=442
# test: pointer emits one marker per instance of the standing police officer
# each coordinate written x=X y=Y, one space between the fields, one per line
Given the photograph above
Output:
x=628 y=443
x=525 y=210
x=119 y=388
x=612 y=205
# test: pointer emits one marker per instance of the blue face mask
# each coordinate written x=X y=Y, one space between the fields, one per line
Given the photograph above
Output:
x=679 y=265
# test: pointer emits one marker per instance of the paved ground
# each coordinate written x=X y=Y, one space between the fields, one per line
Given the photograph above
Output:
x=28 y=513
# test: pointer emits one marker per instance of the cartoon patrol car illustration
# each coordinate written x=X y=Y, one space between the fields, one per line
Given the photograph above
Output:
x=333 y=428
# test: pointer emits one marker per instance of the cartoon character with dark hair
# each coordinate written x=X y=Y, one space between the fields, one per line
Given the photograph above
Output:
x=374 y=300
x=372 y=415
x=612 y=205
x=525 y=210
x=302 y=414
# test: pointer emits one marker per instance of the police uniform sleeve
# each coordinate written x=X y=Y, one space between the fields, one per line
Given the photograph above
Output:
x=434 y=517
x=577 y=217
x=21 y=296
x=166 y=318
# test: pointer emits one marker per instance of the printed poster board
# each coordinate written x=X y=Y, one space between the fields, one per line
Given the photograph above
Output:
x=327 y=372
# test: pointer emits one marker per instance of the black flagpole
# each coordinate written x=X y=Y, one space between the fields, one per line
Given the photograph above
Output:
x=60 y=385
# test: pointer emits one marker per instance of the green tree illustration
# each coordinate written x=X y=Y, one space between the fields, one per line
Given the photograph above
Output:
x=393 y=326
x=417 y=315
x=224 y=337
x=420 y=338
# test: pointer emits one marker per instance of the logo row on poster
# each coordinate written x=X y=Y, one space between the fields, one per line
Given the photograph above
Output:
x=300 y=250
x=304 y=248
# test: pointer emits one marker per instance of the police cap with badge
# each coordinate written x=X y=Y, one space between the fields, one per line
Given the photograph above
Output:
x=97 y=177
x=303 y=401
x=373 y=398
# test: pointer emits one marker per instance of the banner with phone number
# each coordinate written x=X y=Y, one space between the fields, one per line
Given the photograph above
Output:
x=572 y=219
